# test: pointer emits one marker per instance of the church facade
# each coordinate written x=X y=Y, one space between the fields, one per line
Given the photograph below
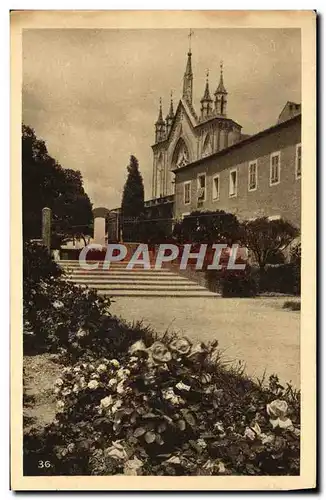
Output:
x=207 y=163
x=184 y=137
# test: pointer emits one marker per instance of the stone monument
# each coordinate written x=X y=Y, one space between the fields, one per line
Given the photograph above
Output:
x=46 y=227
x=99 y=214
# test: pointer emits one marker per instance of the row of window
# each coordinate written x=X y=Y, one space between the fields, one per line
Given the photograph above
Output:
x=274 y=178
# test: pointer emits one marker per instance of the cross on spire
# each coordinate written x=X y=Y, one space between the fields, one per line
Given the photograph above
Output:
x=191 y=33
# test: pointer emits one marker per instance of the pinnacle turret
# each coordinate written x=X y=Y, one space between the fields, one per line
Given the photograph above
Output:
x=160 y=125
x=206 y=101
x=220 y=95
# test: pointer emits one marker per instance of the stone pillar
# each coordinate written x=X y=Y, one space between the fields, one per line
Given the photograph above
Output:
x=99 y=214
x=46 y=227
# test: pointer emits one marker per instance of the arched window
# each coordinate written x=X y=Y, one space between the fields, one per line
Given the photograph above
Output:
x=160 y=176
x=180 y=156
x=207 y=147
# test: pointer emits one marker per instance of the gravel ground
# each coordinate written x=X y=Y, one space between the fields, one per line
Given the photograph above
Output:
x=40 y=373
x=256 y=331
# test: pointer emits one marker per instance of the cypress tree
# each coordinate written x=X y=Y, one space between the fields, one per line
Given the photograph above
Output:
x=132 y=199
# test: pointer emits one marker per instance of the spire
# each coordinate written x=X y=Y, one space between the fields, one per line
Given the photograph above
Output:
x=207 y=96
x=206 y=101
x=160 y=125
x=188 y=76
x=169 y=117
x=160 y=120
x=221 y=89
x=171 y=112
x=220 y=95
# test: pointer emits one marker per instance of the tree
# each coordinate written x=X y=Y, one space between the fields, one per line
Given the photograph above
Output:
x=133 y=192
x=45 y=183
x=132 y=200
x=207 y=227
x=266 y=237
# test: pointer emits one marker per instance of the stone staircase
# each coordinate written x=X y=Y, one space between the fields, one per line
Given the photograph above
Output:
x=120 y=282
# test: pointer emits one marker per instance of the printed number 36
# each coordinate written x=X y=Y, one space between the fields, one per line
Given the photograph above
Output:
x=42 y=464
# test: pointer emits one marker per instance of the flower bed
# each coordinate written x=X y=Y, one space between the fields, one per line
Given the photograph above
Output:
x=168 y=409
x=129 y=402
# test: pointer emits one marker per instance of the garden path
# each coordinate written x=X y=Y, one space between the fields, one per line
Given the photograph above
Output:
x=257 y=331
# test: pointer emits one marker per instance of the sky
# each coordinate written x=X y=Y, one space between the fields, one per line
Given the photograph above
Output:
x=93 y=95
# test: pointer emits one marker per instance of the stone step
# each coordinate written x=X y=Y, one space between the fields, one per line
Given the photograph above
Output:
x=126 y=274
x=76 y=263
x=113 y=267
x=139 y=284
x=117 y=281
x=128 y=279
x=158 y=293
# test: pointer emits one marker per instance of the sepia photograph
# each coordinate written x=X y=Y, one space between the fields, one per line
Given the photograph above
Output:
x=161 y=168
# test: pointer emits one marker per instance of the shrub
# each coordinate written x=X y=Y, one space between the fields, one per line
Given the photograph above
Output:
x=65 y=318
x=281 y=279
x=233 y=283
x=293 y=305
x=167 y=409
x=37 y=266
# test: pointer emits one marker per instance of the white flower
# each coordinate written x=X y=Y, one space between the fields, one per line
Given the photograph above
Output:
x=170 y=395
x=256 y=428
x=66 y=392
x=93 y=384
x=82 y=382
x=180 y=345
x=201 y=443
x=113 y=383
x=283 y=423
x=138 y=346
x=59 y=382
x=116 y=406
x=267 y=438
x=60 y=406
x=71 y=447
x=132 y=467
x=196 y=351
x=182 y=387
x=221 y=467
x=160 y=353
x=81 y=333
x=219 y=426
x=115 y=363
x=277 y=410
x=77 y=369
x=120 y=388
x=116 y=451
x=107 y=401
x=57 y=390
x=102 y=368
x=250 y=434
x=123 y=374
x=75 y=388
x=57 y=304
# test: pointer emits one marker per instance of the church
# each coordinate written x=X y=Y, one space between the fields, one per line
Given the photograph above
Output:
x=203 y=161
x=184 y=136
